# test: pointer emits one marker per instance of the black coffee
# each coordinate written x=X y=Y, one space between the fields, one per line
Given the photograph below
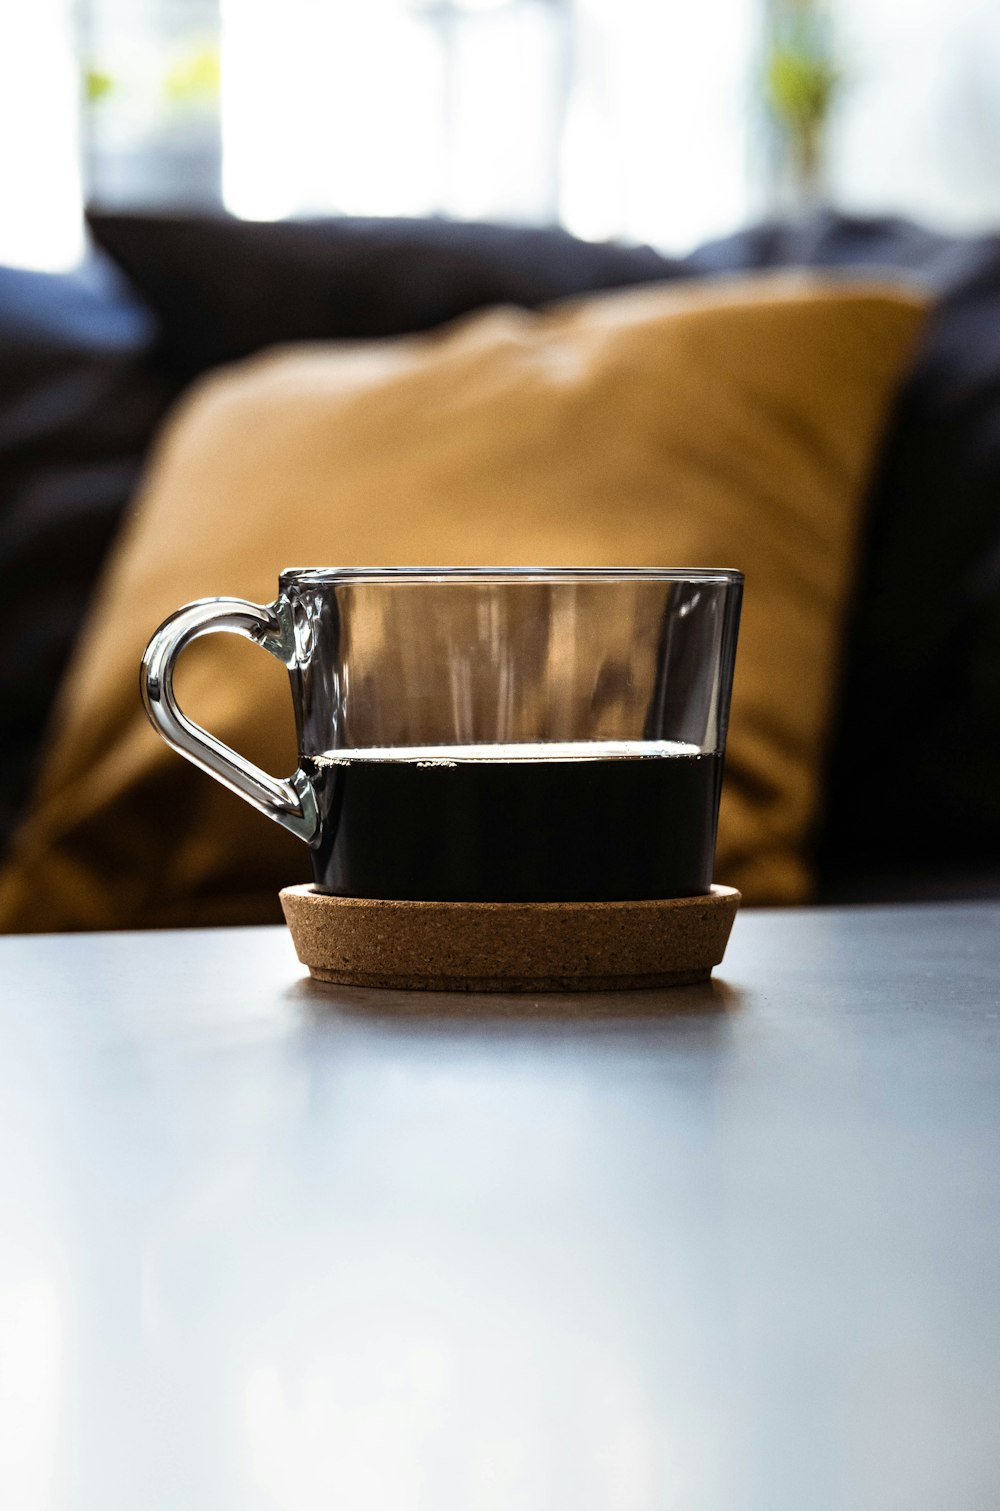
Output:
x=517 y=823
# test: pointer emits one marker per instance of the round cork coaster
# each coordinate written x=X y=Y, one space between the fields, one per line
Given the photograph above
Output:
x=510 y=946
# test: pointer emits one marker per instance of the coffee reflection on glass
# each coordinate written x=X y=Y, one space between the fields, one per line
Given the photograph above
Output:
x=488 y=735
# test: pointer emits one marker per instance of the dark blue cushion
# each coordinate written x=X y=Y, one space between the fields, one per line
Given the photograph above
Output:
x=913 y=786
x=79 y=401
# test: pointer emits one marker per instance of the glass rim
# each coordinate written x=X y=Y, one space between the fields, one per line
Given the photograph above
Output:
x=295 y=576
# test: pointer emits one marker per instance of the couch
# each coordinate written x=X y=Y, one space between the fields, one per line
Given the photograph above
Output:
x=91 y=362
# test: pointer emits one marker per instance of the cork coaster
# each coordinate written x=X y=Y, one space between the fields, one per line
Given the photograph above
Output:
x=510 y=946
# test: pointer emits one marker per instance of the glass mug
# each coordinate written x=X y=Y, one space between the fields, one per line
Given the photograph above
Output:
x=486 y=735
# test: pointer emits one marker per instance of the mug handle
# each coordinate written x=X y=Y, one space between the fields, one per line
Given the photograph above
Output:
x=291 y=803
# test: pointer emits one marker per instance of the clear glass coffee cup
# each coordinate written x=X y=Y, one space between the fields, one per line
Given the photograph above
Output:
x=486 y=735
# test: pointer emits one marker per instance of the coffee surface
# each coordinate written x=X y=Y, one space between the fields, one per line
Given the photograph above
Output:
x=588 y=821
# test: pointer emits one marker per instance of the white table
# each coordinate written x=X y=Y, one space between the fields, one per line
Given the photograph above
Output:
x=735 y=1248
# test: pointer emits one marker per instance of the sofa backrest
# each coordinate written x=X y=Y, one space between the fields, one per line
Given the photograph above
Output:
x=914 y=764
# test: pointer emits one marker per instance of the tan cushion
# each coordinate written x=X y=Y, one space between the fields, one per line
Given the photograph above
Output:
x=713 y=424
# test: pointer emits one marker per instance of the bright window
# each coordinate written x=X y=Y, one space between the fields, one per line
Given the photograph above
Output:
x=641 y=119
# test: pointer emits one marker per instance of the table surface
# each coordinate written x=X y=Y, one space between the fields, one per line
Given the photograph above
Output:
x=265 y=1244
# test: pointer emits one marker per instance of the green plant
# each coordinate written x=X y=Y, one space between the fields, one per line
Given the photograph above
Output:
x=97 y=85
x=801 y=81
x=193 y=78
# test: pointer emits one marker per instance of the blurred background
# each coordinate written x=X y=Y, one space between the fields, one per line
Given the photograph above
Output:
x=257 y=174
x=648 y=120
